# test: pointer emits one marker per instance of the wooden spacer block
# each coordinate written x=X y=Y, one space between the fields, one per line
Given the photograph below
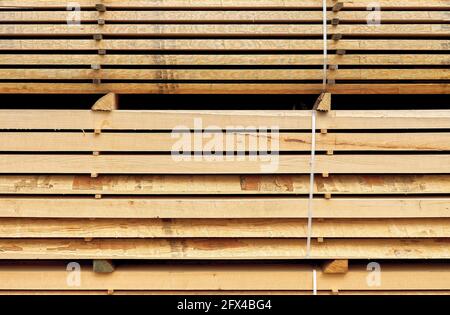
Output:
x=334 y=291
x=336 y=37
x=335 y=266
x=323 y=102
x=100 y=7
x=96 y=81
x=97 y=132
x=340 y=52
x=320 y=240
x=102 y=51
x=108 y=102
x=110 y=291
x=88 y=239
x=94 y=175
x=102 y=266
x=325 y=175
x=323 y=131
x=338 y=7
x=327 y=196
x=95 y=153
x=331 y=81
x=330 y=152
x=335 y=21
x=96 y=67
x=333 y=67
x=98 y=37
x=101 y=22
x=98 y=196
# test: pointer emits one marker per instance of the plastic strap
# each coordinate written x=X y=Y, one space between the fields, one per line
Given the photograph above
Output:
x=325 y=45
x=312 y=163
x=314 y=282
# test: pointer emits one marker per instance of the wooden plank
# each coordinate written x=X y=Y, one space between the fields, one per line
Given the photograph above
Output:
x=222 y=44
x=223 y=4
x=241 y=277
x=13 y=228
x=223 y=249
x=136 y=75
x=266 y=59
x=272 y=164
x=234 y=184
x=223 y=119
x=221 y=88
x=227 y=278
x=249 y=16
x=218 y=207
x=199 y=30
x=239 y=141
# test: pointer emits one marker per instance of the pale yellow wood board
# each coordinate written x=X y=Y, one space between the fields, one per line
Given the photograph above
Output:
x=213 y=249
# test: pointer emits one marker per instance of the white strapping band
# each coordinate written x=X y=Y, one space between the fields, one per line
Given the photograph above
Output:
x=325 y=45
x=312 y=163
x=314 y=282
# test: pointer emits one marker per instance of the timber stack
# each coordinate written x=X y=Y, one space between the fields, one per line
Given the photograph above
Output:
x=324 y=200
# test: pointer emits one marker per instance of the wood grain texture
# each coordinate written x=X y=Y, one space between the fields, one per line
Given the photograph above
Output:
x=221 y=207
x=223 y=228
x=235 y=59
x=241 y=277
x=209 y=249
x=224 y=184
x=222 y=88
x=273 y=164
x=336 y=266
x=236 y=141
x=248 y=16
x=224 y=119
x=193 y=30
x=169 y=75
x=441 y=45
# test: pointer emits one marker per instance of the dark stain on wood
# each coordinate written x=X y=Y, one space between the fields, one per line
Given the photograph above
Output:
x=267 y=183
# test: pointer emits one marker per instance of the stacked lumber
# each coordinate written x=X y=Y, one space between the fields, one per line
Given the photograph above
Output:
x=204 y=46
x=210 y=201
x=105 y=185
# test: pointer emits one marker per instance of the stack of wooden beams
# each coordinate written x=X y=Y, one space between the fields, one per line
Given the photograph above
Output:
x=104 y=185
x=213 y=46
x=106 y=191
